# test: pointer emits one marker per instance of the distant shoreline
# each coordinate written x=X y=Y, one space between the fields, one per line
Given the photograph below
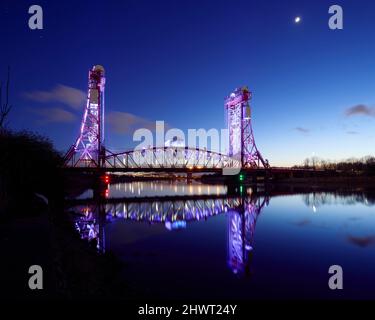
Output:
x=339 y=181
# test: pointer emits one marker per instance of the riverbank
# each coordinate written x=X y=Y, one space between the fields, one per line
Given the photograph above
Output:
x=72 y=270
x=25 y=242
x=82 y=272
x=339 y=181
x=340 y=187
x=329 y=184
x=343 y=180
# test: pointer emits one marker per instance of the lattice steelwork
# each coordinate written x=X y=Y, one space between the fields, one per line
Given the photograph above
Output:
x=88 y=150
x=241 y=228
x=242 y=217
x=90 y=225
x=241 y=139
x=170 y=157
x=170 y=211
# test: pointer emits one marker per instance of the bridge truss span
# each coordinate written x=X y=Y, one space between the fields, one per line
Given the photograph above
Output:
x=90 y=150
x=170 y=157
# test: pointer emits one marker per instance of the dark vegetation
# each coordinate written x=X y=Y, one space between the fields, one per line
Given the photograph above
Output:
x=29 y=165
x=350 y=167
x=43 y=232
x=32 y=228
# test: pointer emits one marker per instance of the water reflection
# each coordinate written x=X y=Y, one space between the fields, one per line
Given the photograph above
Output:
x=209 y=236
x=170 y=208
x=158 y=188
x=90 y=224
x=242 y=213
x=318 y=199
x=241 y=229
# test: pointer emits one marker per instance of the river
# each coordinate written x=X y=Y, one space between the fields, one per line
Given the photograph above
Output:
x=181 y=240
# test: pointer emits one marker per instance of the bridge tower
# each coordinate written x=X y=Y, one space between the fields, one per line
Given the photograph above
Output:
x=89 y=151
x=241 y=138
x=240 y=233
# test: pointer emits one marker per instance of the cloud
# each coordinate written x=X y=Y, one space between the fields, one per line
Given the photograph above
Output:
x=360 y=109
x=362 y=242
x=69 y=96
x=352 y=132
x=302 y=130
x=123 y=122
x=54 y=115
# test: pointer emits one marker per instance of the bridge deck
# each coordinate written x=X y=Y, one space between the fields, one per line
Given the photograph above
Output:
x=192 y=170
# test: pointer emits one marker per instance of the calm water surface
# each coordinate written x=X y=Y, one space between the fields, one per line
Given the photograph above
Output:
x=206 y=244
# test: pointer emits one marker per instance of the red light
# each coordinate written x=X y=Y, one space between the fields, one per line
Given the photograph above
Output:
x=106 y=179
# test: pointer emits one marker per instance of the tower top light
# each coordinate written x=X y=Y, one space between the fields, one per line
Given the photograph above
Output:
x=240 y=95
x=98 y=67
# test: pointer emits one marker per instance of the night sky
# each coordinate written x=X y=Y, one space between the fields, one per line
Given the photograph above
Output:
x=314 y=88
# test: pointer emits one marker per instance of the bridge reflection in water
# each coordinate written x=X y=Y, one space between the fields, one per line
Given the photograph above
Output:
x=241 y=214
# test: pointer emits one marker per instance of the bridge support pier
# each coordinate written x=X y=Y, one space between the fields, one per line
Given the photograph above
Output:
x=100 y=185
x=189 y=177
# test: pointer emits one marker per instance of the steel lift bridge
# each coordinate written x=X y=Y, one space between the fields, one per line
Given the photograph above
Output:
x=241 y=214
x=89 y=151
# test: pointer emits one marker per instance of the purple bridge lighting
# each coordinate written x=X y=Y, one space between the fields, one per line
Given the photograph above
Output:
x=241 y=214
x=89 y=150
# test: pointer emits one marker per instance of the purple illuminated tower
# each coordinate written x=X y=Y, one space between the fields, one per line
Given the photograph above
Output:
x=89 y=151
x=241 y=228
x=241 y=139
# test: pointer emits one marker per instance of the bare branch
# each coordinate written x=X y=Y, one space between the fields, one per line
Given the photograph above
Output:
x=1 y=96
x=7 y=88
x=4 y=108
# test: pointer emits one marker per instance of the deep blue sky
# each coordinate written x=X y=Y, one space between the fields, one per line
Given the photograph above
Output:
x=177 y=60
